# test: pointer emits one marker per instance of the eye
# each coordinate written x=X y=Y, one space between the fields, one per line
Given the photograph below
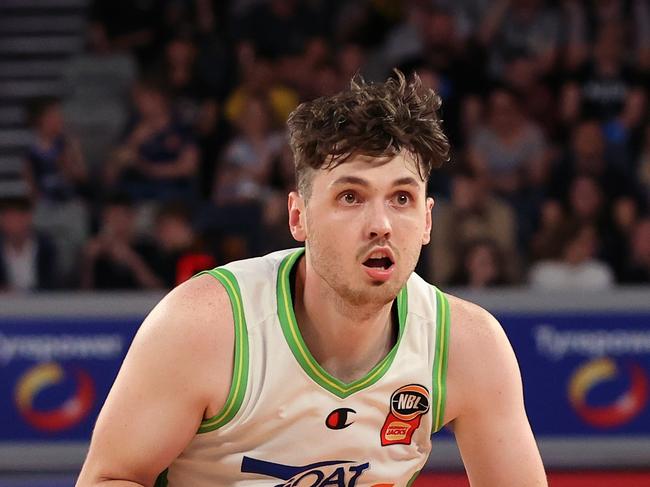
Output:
x=349 y=198
x=402 y=199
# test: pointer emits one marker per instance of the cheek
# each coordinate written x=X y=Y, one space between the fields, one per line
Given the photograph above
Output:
x=413 y=227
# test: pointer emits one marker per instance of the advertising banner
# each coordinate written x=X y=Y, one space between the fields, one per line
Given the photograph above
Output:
x=56 y=372
x=584 y=373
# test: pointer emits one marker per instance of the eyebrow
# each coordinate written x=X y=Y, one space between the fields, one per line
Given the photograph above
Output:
x=406 y=181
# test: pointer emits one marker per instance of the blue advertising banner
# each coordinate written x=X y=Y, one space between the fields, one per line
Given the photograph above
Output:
x=56 y=374
x=584 y=373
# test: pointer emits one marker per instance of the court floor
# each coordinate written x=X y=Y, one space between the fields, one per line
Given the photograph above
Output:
x=557 y=479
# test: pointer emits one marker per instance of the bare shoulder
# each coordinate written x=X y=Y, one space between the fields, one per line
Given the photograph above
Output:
x=193 y=324
x=472 y=324
x=485 y=403
x=176 y=373
x=481 y=359
x=198 y=306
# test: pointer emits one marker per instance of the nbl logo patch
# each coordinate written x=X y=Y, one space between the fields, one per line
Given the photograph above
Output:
x=407 y=405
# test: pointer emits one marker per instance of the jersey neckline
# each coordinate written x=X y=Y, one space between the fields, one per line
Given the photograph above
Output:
x=302 y=354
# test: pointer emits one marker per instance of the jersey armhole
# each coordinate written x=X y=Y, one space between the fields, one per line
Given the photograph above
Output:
x=240 y=366
x=439 y=388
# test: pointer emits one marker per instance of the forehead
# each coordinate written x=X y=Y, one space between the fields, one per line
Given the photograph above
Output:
x=373 y=170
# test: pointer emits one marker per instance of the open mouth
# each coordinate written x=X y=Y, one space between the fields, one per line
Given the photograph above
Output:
x=379 y=262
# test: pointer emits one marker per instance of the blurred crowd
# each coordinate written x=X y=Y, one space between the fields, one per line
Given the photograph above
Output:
x=167 y=152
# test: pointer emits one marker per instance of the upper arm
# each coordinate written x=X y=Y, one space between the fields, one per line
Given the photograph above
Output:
x=179 y=367
x=490 y=422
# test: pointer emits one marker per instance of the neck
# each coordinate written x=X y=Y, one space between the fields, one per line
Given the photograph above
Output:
x=346 y=339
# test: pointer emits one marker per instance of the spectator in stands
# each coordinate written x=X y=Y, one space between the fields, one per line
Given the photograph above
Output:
x=522 y=75
x=586 y=156
x=279 y=27
x=27 y=258
x=230 y=72
x=509 y=149
x=136 y=27
x=244 y=173
x=585 y=20
x=554 y=226
x=116 y=258
x=179 y=253
x=158 y=159
x=439 y=51
x=637 y=268
x=624 y=216
x=613 y=220
x=195 y=79
x=643 y=167
x=481 y=266
x=310 y=72
x=577 y=267
x=528 y=26
x=586 y=206
x=575 y=39
x=608 y=89
x=97 y=83
x=511 y=152
x=406 y=40
x=243 y=181
x=468 y=16
x=473 y=214
x=190 y=94
x=586 y=202
x=56 y=173
x=260 y=80
x=275 y=214
x=443 y=56
x=641 y=18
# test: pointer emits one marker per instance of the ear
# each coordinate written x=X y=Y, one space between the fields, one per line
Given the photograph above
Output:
x=426 y=236
x=296 y=205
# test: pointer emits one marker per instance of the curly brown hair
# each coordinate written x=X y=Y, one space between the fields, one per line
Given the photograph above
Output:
x=371 y=119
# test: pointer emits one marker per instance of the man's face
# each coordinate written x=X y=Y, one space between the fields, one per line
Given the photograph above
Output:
x=364 y=225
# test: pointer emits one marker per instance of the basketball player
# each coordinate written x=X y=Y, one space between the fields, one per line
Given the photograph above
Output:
x=329 y=365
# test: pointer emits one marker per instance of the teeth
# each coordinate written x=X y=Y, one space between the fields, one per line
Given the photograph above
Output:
x=378 y=255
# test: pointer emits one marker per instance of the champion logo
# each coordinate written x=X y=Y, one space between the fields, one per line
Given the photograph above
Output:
x=338 y=419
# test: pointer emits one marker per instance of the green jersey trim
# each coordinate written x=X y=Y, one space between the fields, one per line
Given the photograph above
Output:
x=240 y=366
x=410 y=482
x=303 y=355
x=440 y=360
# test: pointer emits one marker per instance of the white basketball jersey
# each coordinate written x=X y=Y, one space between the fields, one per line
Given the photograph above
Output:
x=287 y=422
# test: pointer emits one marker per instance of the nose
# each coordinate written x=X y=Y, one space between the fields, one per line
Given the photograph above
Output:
x=378 y=221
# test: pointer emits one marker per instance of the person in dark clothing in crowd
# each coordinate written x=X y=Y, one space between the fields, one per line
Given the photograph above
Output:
x=179 y=252
x=56 y=173
x=116 y=258
x=481 y=266
x=637 y=270
x=158 y=158
x=27 y=258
